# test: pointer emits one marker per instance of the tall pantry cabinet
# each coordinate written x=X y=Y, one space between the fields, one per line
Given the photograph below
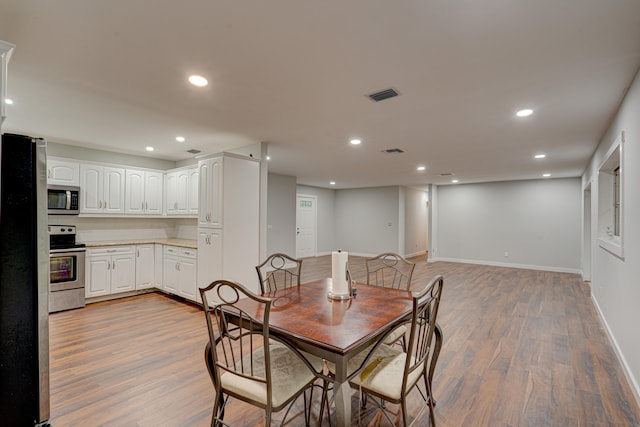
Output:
x=229 y=220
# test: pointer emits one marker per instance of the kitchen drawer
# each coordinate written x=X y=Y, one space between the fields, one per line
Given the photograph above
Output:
x=171 y=250
x=179 y=251
x=110 y=250
x=188 y=253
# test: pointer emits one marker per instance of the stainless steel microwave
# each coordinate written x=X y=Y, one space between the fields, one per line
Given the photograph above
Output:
x=63 y=200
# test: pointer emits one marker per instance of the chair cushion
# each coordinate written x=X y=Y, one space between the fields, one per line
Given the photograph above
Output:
x=289 y=375
x=395 y=335
x=383 y=374
x=354 y=363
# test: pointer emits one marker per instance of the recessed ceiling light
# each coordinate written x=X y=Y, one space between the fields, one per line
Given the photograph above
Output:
x=149 y=148
x=180 y=138
x=540 y=156
x=455 y=181
x=268 y=157
x=525 y=112
x=355 y=141
x=332 y=183
x=198 y=80
x=421 y=168
x=546 y=175
x=8 y=101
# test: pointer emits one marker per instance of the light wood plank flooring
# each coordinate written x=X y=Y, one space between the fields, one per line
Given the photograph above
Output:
x=521 y=348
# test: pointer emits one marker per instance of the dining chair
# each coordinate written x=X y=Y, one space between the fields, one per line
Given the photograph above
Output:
x=390 y=270
x=389 y=373
x=279 y=271
x=244 y=361
x=393 y=271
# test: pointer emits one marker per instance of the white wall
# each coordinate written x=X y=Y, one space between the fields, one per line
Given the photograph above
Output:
x=89 y=154
x=537 y=223
x=615 y=282
x=281 y=214
x=368 y=220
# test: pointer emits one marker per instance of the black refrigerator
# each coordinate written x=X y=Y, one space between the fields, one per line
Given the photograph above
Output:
x=24 y=282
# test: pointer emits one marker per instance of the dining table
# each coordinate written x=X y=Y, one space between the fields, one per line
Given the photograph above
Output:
x=334 y=330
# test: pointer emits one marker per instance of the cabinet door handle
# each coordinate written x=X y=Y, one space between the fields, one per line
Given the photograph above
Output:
x=142 y=206
x=175 y=205
x=138 y=253
x=114 y=265
x=99 y=204
x=146 y=206
x=108 y=265
x=48 y=173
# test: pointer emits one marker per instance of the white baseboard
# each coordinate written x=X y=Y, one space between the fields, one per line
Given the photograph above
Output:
x=415 y=254
x=635 y=387
x=504 y=264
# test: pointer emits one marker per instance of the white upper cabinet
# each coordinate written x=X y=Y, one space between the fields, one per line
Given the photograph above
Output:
x=210 y=194
x=63 y=172
x=143 y=192
x=194 y=189
x=171 y=193
x=153 y=191
x=101 y=189
x=181 y=192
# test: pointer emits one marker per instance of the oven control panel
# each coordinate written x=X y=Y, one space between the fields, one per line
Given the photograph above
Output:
x=62 y=229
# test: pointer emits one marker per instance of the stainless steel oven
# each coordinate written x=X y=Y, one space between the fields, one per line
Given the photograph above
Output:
x=66 y=269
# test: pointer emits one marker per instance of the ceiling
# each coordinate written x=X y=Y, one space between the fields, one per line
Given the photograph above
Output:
x=296 y=75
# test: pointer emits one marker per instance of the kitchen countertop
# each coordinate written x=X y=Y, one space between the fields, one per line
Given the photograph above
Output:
x=184 y=243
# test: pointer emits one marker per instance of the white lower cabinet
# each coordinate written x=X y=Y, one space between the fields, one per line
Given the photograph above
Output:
x=145 y=266
x=179 y=271
x=110 y=270
x=209 y=249
x=158 y=265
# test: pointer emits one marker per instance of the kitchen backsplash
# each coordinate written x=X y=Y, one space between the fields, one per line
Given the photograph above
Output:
x=127 y=229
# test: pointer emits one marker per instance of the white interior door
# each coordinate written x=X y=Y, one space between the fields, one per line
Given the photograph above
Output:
x=306 y=214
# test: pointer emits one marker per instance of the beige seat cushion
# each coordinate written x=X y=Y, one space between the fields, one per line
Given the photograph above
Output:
x=384 y=371
x=354 y=363
x=395 y=335
x=289 y=375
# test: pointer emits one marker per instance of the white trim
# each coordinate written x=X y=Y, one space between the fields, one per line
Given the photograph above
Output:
x=613 y=244
x=415 y=254
x=504 y=264
x=635 y=387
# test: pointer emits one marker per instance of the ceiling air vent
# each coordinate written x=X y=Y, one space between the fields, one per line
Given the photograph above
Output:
x=193 y=151
x=382 y=95
x=393 y=151
x=446 y=174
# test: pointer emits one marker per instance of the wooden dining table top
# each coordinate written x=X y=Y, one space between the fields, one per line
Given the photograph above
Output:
x=307 y=315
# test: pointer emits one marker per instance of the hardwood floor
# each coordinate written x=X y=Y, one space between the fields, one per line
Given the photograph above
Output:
x=521 y=347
